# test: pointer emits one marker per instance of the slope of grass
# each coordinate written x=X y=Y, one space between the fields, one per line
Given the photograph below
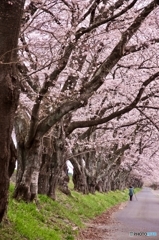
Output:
x=55 y=220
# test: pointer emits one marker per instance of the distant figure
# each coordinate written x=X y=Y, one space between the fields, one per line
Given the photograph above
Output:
x=131 y=192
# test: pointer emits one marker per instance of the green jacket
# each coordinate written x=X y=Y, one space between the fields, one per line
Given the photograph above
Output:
x=131 y=191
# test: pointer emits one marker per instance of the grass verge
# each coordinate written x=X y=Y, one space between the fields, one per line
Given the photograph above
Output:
x=55 y=220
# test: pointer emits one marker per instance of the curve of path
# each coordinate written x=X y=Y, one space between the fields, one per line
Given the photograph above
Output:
x=138 y=218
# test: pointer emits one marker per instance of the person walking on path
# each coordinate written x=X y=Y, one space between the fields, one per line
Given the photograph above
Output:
x=131 y=192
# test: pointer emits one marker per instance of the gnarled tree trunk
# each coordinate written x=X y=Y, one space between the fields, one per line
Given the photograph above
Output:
x=44 y=175
x=10 y=17
x=64 y=180
x=29 y=161
x=27 y=177
x=79 y=175
x=58 y=163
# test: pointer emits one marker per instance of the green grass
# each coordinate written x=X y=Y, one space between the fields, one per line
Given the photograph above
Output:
x=55 y=220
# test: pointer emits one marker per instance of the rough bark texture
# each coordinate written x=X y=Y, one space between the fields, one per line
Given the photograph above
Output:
x=79 y=174
x=44 y=175
x=10 y=17
x=28 y=172
x=53 y=171
x=13 y=158
x=79 y=181
x=64 y=180
x=29 y=161
x=41 y=164
x=58 y=164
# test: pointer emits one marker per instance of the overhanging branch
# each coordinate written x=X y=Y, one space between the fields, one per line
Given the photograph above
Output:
x=132 y=105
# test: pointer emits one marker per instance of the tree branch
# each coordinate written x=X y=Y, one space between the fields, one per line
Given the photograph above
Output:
x=153 y=123
x=82 y=31
x=82 y=124
x=97 y=80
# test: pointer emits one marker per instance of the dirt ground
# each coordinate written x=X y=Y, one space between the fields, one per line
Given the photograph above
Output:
x=101 y=227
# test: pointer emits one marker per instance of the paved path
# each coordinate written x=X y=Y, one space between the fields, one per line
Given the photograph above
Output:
x=139 y=216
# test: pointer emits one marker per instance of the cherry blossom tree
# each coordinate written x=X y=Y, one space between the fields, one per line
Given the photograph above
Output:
x=68 y=61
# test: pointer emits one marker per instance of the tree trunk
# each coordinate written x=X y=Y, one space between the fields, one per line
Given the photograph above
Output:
x=79 y=175
x=79 y=181
x=10 y=17
x=91 y=169
x=64 y=180
x=58 y=164
x=13 y=158
x=40 y=165
x=91 y=182
x=45 y=170
x=29 y=160
x=44 y=175
x=29 y=164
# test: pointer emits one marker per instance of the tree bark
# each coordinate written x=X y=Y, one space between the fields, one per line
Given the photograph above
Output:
x=10 y=17
x=44 y=175
x=13 y=158
x=29 y=160
x=79 y=175
x=58 y=175
x=64 y=180
x=28 y=172
x=79 y=181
